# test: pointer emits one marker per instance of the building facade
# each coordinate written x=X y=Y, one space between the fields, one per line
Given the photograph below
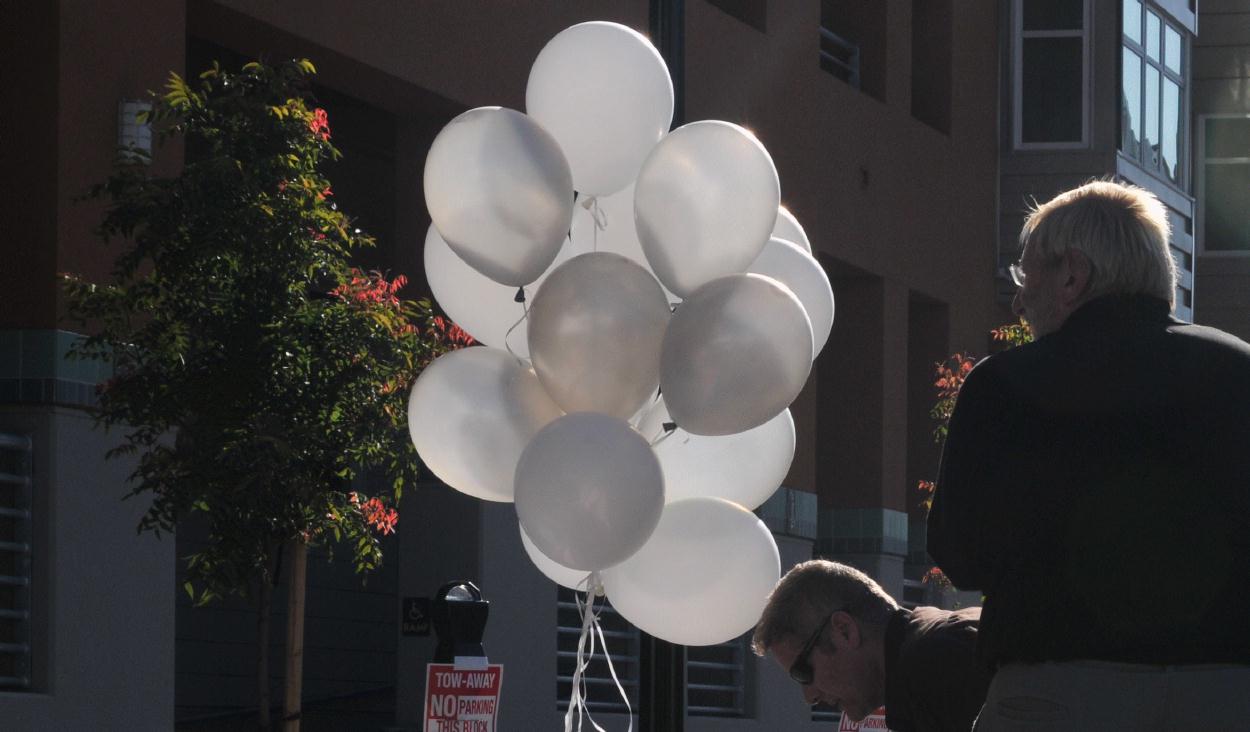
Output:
x=901 y=147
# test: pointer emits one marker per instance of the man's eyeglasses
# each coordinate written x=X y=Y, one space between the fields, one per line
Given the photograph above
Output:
x=1017 y=274
x=801 y=670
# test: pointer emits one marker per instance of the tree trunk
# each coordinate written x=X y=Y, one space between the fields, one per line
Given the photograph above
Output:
x=264 y=599
x=296 y=582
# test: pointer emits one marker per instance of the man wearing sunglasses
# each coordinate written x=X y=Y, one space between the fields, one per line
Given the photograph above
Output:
x=848 y=644
x=1095 y=486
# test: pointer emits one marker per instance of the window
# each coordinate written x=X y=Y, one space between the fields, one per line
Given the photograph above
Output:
x=15 y=550
x=839 y=56
x=1224 y=183
x=853 y=43
x=931 y=25
x=752 y=12
x=622 y=638
x=1153 y=103
x=1051 y=73
x=715 y=679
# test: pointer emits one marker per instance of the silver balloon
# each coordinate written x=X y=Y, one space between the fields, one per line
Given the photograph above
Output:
x=736 y=353
x=705 y=202
x=789 y=228
x=595 y=329
x=500 y=192
x=606 y=224
x=604 y=93
x=746 y=468
x=571 y=578
x=485 y=309
x=471 y=414
x=702 y=578
x=589 y=491
x=787 y=263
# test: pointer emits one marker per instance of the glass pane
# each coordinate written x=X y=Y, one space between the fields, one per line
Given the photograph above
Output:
x=1172 y=49
x=1051 y=93
x=1152 y=35
x=1226 y=199
x=1132 y=20
x=1227 y=137
x=1152 y=117
x=1130 y=105
x=1169 y=142
x=1054 y=14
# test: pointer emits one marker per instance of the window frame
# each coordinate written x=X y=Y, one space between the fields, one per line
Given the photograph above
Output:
x=1019 y=35
x=702 y=675
x=1182 y=79
x=1200 y=178
x=21 y=513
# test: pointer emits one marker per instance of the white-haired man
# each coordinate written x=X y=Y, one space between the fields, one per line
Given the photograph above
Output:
x=848 y=644
x=1095 y=486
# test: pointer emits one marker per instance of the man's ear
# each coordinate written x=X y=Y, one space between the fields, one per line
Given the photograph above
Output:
x=844 y=631
x=1075 y=276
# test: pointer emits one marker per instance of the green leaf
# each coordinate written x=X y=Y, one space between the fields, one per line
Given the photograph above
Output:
x=190 y=589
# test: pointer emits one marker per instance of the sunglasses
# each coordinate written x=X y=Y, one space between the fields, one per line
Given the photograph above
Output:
x=801 y=670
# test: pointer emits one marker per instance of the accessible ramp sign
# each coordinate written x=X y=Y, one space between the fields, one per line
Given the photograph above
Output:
x=460 y=699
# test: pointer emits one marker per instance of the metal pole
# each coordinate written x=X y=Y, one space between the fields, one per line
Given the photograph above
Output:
x=668 y=33
x=662 y=665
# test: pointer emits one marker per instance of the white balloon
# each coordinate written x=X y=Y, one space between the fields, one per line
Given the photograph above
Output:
x=481 y=306
x=614 y=230
x=471 y=414
x=603 y=91
x=736 y=353
x=499 y=190
x=746 y=468
x=787 y=263
x=573 y=579
x=595 y=329
x=789 y=228
x=702 y=578
x=589 y=491
x=704 y=204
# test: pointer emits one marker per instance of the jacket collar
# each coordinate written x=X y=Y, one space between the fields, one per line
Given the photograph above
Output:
x=1120 y=308
x=897 y=705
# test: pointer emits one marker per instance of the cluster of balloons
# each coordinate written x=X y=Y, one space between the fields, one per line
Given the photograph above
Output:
x=650 y=262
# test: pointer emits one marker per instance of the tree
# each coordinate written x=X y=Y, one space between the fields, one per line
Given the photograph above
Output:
x=236 y=325
x=950 y=377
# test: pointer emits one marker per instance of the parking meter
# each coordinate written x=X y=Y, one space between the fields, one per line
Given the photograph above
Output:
x=459 y=618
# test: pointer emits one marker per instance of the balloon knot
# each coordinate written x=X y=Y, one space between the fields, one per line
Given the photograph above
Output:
x=520 y=295
x=670 y=426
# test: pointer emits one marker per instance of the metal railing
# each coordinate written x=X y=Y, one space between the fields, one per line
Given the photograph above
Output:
x=15 y=561
x=716 y=679
x=839 y=57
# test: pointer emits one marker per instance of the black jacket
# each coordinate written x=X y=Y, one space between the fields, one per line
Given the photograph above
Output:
x=933 y=681
x=1095 y=485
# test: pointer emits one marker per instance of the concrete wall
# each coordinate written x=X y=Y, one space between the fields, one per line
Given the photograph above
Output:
x=104 y=656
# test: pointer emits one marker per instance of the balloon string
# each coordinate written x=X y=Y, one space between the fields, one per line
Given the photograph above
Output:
x=585 y=654
x=525 y=313
x=629 y=711
x=598 y=215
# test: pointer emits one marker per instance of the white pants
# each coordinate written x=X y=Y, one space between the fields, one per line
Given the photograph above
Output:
x=1095 y=695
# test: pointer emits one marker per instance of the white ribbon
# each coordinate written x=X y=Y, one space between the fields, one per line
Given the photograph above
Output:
x=585 y=653
x=525 y=313
x=598 y=215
